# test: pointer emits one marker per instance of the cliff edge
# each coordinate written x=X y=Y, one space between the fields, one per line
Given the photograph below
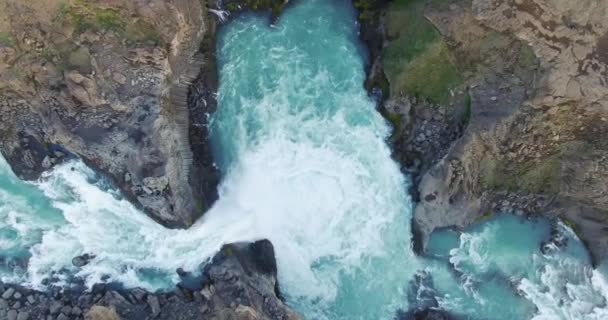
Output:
x=497 y=106
x=109 y=81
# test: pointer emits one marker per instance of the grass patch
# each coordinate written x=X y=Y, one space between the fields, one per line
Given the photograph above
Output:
x=527 y=57
x=227 y=250
x=417 y=59
x=395 y=120
x=7 y=39
x=79 y=60
x=430 y=75
x=84 y=16
x=538 y=177
x=468 y=105
x=572 y=226
x=141 y=31
x=108 y=19
x=541 y=177
x=366 y=8
x=276 y=6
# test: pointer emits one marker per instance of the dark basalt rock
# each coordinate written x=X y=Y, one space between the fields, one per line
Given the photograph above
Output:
x=238 y=283
x=139 y=132
x=428 y=314
x=83 y=260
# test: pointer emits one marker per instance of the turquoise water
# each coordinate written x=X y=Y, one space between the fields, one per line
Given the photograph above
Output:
x=304 y=144
x=305 y=165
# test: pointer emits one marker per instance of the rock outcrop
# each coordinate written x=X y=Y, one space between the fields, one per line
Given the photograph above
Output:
x=497 y=105
x=110 y=82
x=239 y=283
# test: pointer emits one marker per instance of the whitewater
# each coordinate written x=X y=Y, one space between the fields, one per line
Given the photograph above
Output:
x=304 y=161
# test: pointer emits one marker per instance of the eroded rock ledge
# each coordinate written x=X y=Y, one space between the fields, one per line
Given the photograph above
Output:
x=497 y=106
x=110 y=82
x=239 y=283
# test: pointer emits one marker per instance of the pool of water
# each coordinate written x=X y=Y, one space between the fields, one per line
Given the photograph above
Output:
x=305 y=164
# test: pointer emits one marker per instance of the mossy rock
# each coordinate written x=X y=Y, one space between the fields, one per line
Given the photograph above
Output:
x=227 y=250
x=275 y=6
x=395 y=120
x=468 y=109
x=7 y=39
x=80 y=60
x=83 y=17
x=537 y=177
x=541 y=177
x=141 y=31
x=572 y=225
x=430 y=75
x=367 y=8
x=417 y=60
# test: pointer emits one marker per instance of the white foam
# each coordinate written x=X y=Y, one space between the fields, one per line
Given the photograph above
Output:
x=316 y=178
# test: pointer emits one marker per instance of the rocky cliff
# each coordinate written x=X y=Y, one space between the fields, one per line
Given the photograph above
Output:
x=240 y=283
x=497 y=106
x=108 y=81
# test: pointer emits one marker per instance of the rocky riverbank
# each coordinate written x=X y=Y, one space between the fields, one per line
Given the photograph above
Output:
x=110 y=83
x=239 y=283
x=497 y=106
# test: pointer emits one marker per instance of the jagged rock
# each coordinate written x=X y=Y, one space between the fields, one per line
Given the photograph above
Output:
x=82 y=260
x=66 y=310
x=11 y=315
x=154 y=305
x=239 y=282
x=23 y=315
x=101 y=313
x=535 y=78
x=55 y=307
x=139 y=294
x=119 y=78
x=8 y=293
x=46 y=162
x=76 y=311
x=109 y=99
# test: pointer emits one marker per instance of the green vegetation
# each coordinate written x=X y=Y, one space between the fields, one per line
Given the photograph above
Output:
x=430 y=75
x=572 y=226
x=7 y=39
x=468 y=102
x=395 y=120
x=378 y=81
x=540 y=177
x=96 y=19
x=227 y=250
x=80 y=60
x=141 y=31
x=417 y=59
x=365 y=8
x=66 y=56
x=276 y=6
x=527 y=56
x=84 y=16
x=62 y=12
x=200 y=205
x=485 y=216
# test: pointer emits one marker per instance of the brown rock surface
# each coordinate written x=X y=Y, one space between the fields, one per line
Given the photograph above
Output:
x=535 y=142
x=101 y=313
x=108 y=81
